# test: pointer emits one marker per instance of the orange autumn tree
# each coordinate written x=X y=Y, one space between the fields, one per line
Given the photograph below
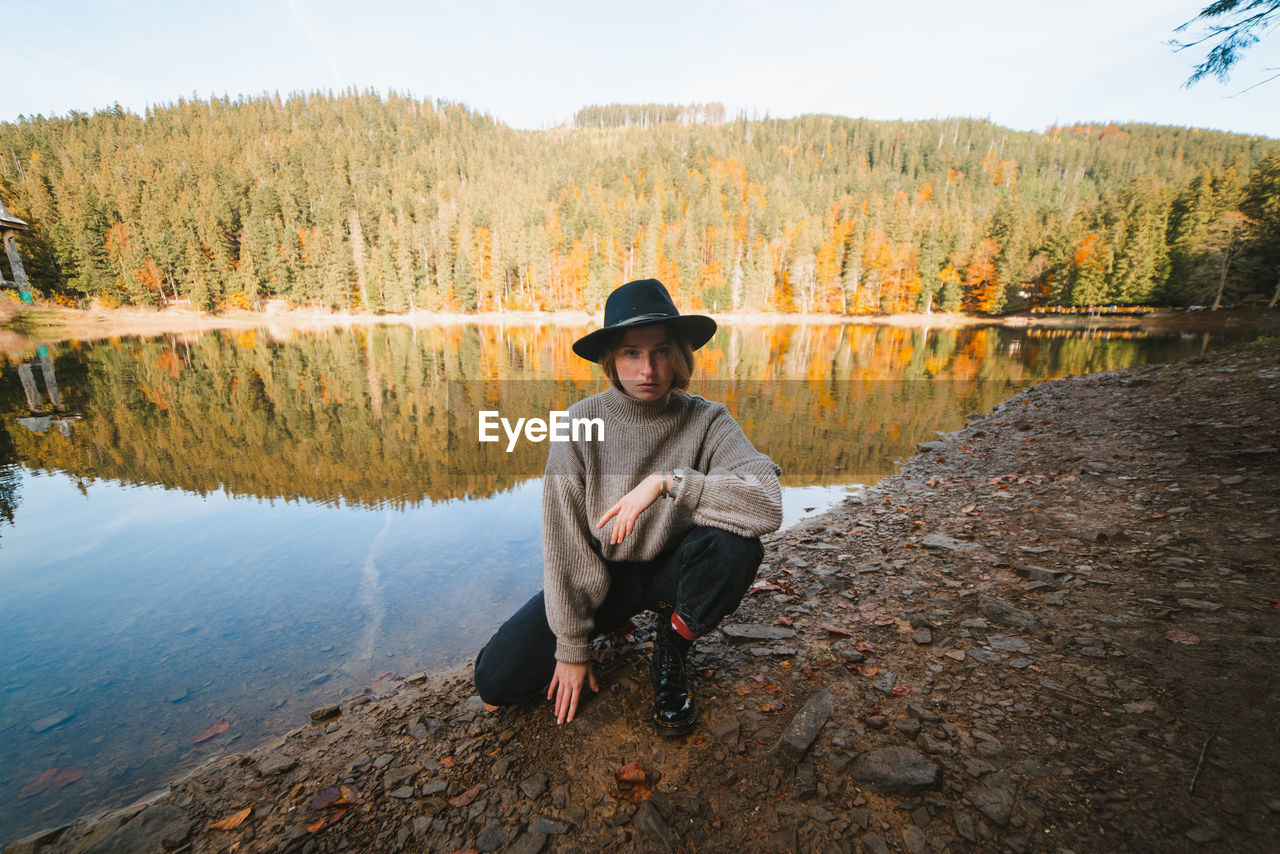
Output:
x=982 y=292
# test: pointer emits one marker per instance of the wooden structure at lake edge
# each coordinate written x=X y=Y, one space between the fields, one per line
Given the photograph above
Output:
x=9 y=226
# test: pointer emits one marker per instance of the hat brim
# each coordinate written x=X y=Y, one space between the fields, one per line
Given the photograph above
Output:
x=697 y=329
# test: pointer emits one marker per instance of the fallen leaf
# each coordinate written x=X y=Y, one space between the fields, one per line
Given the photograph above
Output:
x=635 y=795
x=885 y=621
x=632 y=773
x=772 y=688
x=1180 y=636
x=762 y=588
x=447 y=762
x=466 y=797
x=232 y=821
x=865 y=647
x=213 y=731
x=335 y=796
x=901 y=690
x=312 y=828
x=837 y=630
x=41 y=783
x=785 y=621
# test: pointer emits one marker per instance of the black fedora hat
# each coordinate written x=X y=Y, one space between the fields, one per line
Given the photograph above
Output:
x=643 y=302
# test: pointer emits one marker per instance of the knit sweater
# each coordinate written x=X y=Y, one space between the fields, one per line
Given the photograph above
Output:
x=727 y=484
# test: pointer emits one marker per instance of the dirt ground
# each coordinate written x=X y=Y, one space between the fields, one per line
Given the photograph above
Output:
x=1054 y=630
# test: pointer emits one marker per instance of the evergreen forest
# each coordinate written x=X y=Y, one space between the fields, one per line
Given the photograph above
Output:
x=382 y=203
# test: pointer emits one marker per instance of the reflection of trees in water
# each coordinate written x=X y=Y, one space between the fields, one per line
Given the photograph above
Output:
x=388 y=415
x=10 y=476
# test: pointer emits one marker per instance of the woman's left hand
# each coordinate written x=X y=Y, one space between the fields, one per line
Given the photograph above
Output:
x=630 y=506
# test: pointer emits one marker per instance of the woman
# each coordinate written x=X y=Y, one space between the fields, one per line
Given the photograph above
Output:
x=664 y=513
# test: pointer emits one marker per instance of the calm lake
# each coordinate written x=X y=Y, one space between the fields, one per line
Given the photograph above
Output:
x=241 y=526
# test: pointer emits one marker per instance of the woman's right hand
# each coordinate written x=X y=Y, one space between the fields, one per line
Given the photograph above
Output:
x=566 y=688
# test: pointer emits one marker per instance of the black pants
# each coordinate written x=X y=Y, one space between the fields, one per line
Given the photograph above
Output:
x=703 y=578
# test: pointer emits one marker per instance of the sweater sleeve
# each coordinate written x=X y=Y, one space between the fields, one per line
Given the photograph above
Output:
x=739 y=490
x=574 y=578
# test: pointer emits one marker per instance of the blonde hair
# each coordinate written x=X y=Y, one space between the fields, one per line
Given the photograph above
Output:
x=681 y=359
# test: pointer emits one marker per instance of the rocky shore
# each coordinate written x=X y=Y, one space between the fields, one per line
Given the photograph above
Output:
x=1057 y=629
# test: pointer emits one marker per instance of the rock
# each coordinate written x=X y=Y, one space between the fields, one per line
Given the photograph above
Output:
x=986 y=656
x=325 y=712
x=726 y=730
x=1004 y=643
x=886 y=683
x=156 y=828
x=923 y=636
x=993 y=797
x=397 y=777
x=276 y=764
x=528 y=843
x=492 y=837
x=46 y=724
x=873 y=843
x=435 y=786
x=650 y=822
x=742 y=632
x=804 y=727
x=1203 y=834
x=931 y=446
x=913 y=839
x=548 y=826
x=404 y=793
x=820 y=814
x=35 y=842
x=896 y=769
x=933 y=746
x=1047 y=576
x=951 y=544
x=1199 y=604
x=964 y=826
x=534 y=786
x=910 y=727
x=977 y=767
x=1005 y=614
x=848 y=651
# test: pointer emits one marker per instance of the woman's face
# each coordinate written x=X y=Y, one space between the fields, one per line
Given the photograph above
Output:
x=643 y=362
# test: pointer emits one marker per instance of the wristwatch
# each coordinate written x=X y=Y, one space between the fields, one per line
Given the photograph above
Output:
x=677 y=477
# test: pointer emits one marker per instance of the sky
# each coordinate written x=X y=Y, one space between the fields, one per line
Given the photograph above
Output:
x=1025 y=64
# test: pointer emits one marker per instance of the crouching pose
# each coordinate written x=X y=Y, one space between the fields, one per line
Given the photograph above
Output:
x=662 y=513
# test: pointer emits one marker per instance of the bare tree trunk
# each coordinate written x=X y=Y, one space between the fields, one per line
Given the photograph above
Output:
x=1276 y=296
x=357 y=256
x=1222 y=286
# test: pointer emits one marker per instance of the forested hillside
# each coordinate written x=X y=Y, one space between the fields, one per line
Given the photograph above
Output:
x=385 y=203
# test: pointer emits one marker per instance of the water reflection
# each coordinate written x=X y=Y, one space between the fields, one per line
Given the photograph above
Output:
x=245 y=526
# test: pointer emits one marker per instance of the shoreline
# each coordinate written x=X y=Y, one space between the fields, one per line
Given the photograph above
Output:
x=1029 y=633
x=22 y=328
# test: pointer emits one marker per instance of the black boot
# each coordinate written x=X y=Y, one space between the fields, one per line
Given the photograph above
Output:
x=674 y=712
